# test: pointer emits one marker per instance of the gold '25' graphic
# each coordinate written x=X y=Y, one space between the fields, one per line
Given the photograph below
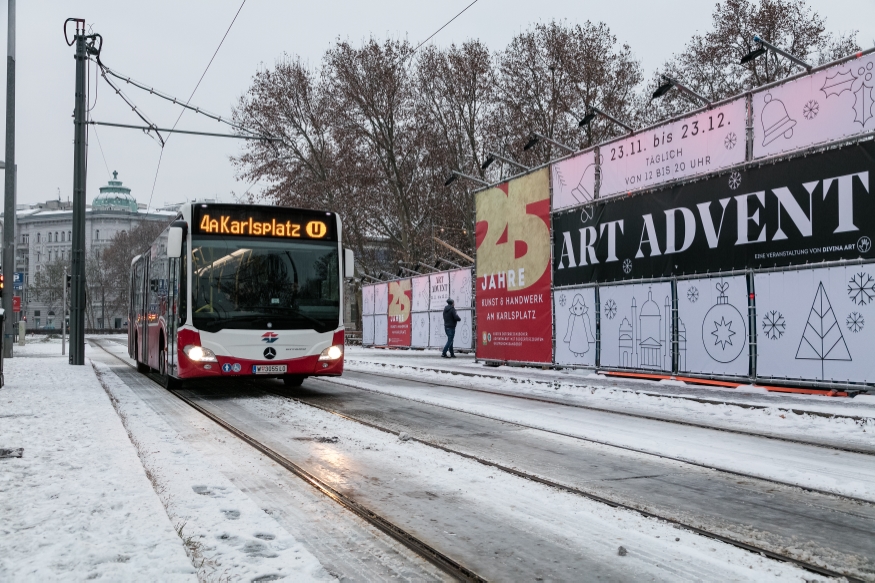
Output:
x=399 y=306
x=512 y=231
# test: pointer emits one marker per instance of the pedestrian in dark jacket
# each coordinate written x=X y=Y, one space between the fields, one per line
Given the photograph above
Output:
x=450 y=319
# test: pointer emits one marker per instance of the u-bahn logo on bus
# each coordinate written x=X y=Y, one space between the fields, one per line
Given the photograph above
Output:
x=316 y=229
x=270 y=337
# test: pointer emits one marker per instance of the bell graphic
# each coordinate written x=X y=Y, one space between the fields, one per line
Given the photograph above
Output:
x=776 y=122
x=581 y=193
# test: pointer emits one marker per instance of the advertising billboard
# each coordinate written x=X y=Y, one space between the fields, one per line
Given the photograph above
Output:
x=398 y=333
x=573 y=180
x=702 y=143
x=829 y=105
x=512 y=289
x=799 y=211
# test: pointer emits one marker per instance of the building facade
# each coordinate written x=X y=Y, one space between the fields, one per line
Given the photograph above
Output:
x=43 y=235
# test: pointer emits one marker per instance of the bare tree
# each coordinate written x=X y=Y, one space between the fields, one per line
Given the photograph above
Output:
x=47 y=285
x=113 y=266
x=710 y=62
x=547 y=77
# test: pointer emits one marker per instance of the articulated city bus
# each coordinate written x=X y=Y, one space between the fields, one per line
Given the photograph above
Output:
x=240 y=290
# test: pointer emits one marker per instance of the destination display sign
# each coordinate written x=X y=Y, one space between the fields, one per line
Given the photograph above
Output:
x=263 y=221
x=706 y=142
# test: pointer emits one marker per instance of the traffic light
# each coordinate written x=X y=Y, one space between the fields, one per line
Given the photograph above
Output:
x=1 y=285
x=69 y=280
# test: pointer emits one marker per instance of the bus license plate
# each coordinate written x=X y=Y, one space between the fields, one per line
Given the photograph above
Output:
x=268 y=368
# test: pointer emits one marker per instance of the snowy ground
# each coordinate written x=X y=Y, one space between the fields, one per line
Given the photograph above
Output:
x=98 y=494
x=749 y=410
x=77 y=504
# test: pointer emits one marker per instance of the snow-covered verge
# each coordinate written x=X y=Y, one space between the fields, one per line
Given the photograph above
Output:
x=226 y=534
x=777 y=420
x=77 y=505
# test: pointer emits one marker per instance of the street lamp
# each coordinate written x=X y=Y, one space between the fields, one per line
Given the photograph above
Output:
x=668 y=83
x=763 y=45
x=535 y=138
x=593 y=111
x=455 y=174
x=492 y=157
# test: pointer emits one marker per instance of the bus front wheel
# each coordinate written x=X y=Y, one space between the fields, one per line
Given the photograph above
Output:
x=294 y=380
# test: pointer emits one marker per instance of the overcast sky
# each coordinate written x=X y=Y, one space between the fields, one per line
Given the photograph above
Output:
x=167 y=44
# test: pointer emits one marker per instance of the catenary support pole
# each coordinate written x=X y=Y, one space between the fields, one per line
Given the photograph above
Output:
x=77 y=287
x=9 y=184
x=64 y=317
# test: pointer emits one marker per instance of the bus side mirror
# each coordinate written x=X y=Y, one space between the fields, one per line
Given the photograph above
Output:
x=348 y=264
x=174 y=243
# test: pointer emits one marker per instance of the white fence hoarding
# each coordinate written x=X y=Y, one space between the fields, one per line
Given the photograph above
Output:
x=367 y=330
x=816 y=324
x=575 y=311
x=367 y=300
x=706 y=142
x=420 y=297
x=419 y=330
x=461 y=290
x=713 y=326
x=439 y=290
x=381 y=298
x=381 y=330
x=828 y=105
x=636 y=326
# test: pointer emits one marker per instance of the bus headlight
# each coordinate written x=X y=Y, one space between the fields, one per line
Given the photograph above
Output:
x=331 y=353
x=199 y=353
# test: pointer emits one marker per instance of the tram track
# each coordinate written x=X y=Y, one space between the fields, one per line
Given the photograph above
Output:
x=421 y=548
x=463 y=387
x=428 y=552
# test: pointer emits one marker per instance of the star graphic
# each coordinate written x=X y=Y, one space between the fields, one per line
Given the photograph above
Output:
x=723 y=333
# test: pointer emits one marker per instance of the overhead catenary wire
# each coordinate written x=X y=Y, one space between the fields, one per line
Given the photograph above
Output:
x=443 y=27
x=221 y=42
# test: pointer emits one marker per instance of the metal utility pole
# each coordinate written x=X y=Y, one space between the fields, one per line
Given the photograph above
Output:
x=9 y=183
x=77 y=291
x=64 y=317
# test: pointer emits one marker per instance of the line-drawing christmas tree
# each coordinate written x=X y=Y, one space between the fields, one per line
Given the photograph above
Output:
x=822 y=339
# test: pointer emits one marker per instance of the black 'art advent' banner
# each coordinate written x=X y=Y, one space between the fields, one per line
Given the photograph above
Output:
x=807 y=210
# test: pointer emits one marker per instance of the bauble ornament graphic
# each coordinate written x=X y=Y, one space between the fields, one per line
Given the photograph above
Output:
x=724 y=332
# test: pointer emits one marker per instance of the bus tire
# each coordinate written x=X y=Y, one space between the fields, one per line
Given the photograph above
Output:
x=168 y=382
x=294 y=380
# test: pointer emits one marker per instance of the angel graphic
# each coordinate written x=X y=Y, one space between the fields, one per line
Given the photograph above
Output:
x=579 y=335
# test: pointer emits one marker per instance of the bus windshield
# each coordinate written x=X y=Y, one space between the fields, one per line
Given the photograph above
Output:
x=241 y=283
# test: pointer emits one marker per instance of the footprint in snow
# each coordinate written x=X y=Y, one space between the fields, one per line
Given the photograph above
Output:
x=231 y=514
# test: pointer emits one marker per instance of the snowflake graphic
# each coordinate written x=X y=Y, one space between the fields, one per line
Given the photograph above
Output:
x=693 y=294
x=735 y=179
x=627 y=266
x=855 y=322
x=861 y=288
x=730 y=140
x=610 y=309
x=562 y=300
x=774 y=325
x=810 y=110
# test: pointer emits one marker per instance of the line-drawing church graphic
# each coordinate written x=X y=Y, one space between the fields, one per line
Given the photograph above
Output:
x=645 y=340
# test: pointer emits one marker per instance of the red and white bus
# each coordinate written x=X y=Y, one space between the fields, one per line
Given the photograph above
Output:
x=241 y=290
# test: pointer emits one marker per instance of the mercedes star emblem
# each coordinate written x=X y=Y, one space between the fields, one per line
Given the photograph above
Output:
x=269 y=353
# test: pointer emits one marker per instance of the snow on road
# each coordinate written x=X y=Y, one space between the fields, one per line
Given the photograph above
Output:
x=77 y=505
x=839 y=472
x=226 y=532
x=355 y=454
